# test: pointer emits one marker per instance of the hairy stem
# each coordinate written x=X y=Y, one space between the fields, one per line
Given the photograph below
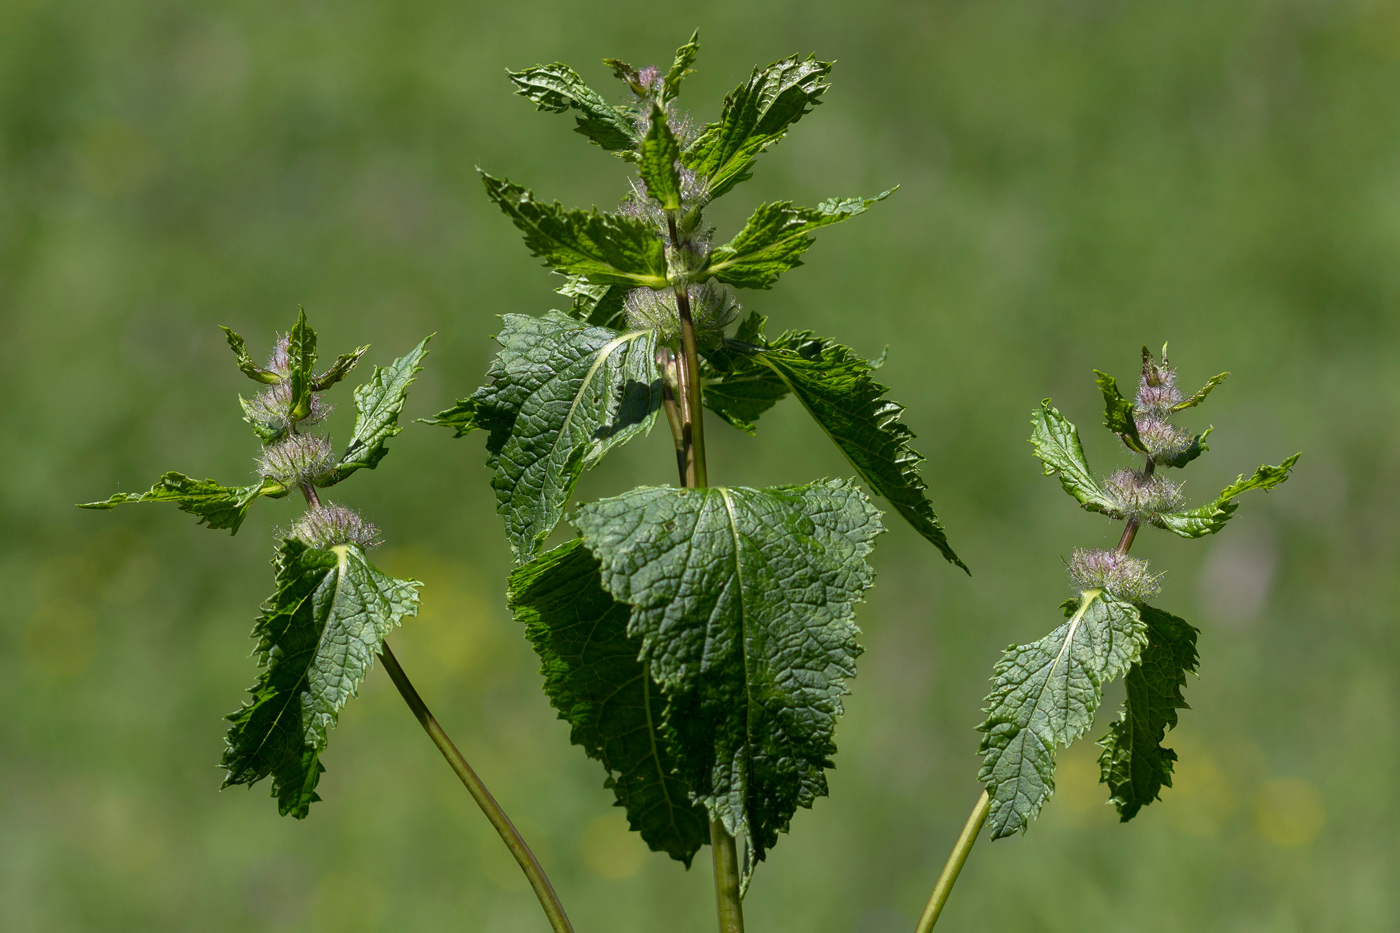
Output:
x=530 y=865
x=961 y=849
x=728 y=903
x=973 y=827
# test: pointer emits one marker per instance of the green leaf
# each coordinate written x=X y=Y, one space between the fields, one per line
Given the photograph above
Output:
x=658 y=162
x=377 y=406
x=606 y=249
x=744 y=601
x=1056 y=443
x=1198 y=447
x=1200 y=396
x=755 y=116
x=562 y=394
x=317 y=639
x=339 y=369
x=301 y=353
x=680 y=67
x=1045 y=694
x=774 y=239
x=836 y=388
x=595 y=304
x=627 y=74
x=557 y=88
x=1134 y=764
x=1119 y=415
x=245 y=362
x=595 y=679
x=1210 y=518
x=214 y=504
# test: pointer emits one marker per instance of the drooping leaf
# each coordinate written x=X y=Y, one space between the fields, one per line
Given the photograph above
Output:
x=562 y=394
x=775 y=237
x=1056 y=443
x=214 y=504
x=377 y=406
x=317 y=639
x=245 y=362
x=1119 y=415
x=836 y=388
x=599 y=685
x=1200 y=396
x=743 y=600
x=755 y=116
x=1198 y=447
x=1134 y=764
x=658 y=162
x=595 y=304
x=1210 y=518
x=606 y=249
x=301 y=354
x=680 y=67
x=1044 y=694
x=627 y=74
x=339 y=369
x=557 y=88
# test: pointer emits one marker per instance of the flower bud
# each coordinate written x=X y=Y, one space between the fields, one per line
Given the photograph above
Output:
x=272 y=409
x=280 y=362
x=712 y=309
x=1138 y=496
x=300 y=458
x=332 y=525
x=1121 y=576
x=1163 y=440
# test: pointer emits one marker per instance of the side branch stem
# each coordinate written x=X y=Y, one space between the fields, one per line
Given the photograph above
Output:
x=973 y=827
x=961 y=849
x=530 y=865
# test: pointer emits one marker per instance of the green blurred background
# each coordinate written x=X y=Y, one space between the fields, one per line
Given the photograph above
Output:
x=1078 y=177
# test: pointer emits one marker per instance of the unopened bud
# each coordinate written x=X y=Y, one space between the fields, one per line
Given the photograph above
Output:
x=1122 y=576
x=280 y=362
x=1163 y=440
x=301 y=458
x=330 y=526
x=272 y=409
x=712 y=309
x=1138 y=496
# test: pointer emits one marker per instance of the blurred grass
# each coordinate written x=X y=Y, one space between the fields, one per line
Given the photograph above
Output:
x=1078 y=178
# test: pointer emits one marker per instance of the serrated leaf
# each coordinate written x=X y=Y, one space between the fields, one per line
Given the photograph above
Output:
x=595 y=679
x=836 y=388
x=562 y=394
x=1200 y=396
x=774 y=239
x=245 y=362
x=627 y=74
x=606 y=249
x=378 y=404
x=1045 y=694
x=1119 y=415
x=657 y=165
x=595 y=304
x=301 y=355
x=755 y=115
x=214 y=504
x=744 y=601
x=557 y=88
x=339 y=369
x=1210 y=518
x=1134 y=764
x=317 y=639
x=1056 y=442
x=1198 y=447
x=680 y=67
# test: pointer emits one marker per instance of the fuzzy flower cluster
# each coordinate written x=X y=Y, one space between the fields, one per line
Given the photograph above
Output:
x=1120 y=575
x=272 y=410
x=1138 y=495
x=332 y=525
x=1157 y=396
x=298 y=459
x=712 y=308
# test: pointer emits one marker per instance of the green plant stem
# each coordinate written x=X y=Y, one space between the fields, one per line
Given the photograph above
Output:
x=961 y=849
x=728 y=902
x=973 y=827
x=530 y=865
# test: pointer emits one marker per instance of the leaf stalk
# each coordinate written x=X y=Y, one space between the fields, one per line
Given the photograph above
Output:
x=728 y=900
